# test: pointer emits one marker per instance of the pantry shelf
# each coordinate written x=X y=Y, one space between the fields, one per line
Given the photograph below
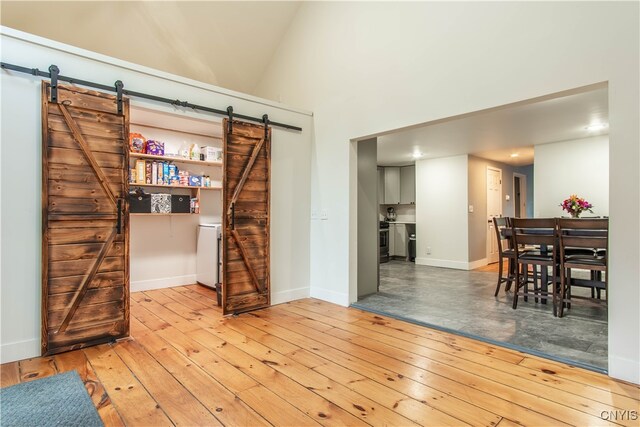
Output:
x=174 y=159
x=187 y=187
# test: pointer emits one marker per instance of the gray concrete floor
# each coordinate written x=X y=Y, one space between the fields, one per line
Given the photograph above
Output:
x=464 y=301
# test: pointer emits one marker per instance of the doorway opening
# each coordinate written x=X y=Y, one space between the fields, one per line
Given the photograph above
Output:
x=506 y=162
x=494 y=210
x=519 y=195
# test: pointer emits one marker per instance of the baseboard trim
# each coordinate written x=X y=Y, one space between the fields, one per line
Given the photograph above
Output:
x=289 y=295
x=478 y=263
x=330 y=296
x=19 y=350
x=624 y=369
x=165 y=282
x=458 y=265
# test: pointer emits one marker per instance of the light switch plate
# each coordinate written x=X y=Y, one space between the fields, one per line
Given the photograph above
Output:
x=314 y=214
x=470 y=208
x=324 y=215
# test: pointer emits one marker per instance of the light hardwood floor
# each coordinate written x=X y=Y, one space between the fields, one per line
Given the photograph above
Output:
x=310 y=362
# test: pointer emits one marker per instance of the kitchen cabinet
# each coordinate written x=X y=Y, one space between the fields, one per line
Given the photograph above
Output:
x=391 y=185
x=397 y=185
x=392 y=240
x=381 y=186
x=408 y=185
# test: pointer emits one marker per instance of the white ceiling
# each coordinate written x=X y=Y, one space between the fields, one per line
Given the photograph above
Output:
x=225 y=43
x=497 y=133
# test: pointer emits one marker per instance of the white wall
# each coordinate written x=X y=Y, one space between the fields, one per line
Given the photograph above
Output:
x=21 y=162
x=441 y=212
x=365 y=68
x=572 y=167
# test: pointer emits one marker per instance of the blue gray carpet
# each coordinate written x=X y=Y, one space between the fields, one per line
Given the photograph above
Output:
x=59 y=400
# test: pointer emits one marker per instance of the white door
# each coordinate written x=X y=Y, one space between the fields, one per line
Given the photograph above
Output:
x=494 y=209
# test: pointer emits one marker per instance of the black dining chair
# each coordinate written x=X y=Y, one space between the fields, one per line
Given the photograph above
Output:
x=501 y=225
x=538 y=236
x=583 y=245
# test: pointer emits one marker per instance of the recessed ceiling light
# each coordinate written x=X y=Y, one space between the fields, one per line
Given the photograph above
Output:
x=515 y=155
x=594 y=127
x=417 y=155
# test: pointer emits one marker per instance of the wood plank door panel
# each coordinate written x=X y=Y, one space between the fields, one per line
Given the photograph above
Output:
x=85 y=226
x=246 y=206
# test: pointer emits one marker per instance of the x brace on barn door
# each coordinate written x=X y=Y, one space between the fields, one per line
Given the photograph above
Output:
x=118 y=88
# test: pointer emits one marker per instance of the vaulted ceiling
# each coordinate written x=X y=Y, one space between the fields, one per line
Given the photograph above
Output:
x=228 y=44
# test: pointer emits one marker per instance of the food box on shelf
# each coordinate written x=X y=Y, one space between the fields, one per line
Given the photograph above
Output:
x=137 y=143
x=155 y=147
x=161 y=203
x=195 y=181
x=212 y=154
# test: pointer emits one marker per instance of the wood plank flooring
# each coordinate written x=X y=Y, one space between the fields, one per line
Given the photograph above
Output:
x=309 y=362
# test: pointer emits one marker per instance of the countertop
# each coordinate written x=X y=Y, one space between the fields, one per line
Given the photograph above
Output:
x=401 y=222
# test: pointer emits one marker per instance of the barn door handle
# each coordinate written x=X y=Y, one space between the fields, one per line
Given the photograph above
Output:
x=233 y=216
x=119 y=223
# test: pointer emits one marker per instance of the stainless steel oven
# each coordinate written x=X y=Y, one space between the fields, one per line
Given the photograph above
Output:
x=384 y=241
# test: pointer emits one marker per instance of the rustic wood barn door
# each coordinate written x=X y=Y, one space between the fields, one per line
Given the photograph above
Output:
x=246 y=196
x=85 y=242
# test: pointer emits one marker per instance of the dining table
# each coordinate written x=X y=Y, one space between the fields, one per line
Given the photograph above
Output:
x=507 y=234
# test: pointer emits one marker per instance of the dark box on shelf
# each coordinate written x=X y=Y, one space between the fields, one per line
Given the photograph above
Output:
x=140 y=203
x=180 y=203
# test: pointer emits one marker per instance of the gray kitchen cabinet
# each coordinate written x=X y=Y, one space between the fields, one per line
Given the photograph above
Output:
x=392 y=240
x=380 y=186
x=400 y=240
x=391 y=185
x=408 y=185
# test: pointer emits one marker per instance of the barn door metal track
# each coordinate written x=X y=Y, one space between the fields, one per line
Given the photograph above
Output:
x=118 y=88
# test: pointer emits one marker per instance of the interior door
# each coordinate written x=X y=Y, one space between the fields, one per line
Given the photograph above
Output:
x=85 y=241
x=494 y=209
x=246 y=202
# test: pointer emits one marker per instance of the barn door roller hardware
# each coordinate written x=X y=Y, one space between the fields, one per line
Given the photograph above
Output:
x=54 y=75
x=53 y=71
x=265 y=120
x=230 y=113
x=119 y=85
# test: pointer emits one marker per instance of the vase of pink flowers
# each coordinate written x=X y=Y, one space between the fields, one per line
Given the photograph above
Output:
x=575 y=205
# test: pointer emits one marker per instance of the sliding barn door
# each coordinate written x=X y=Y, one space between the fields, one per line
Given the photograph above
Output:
x=247 y=160
x=85 y=241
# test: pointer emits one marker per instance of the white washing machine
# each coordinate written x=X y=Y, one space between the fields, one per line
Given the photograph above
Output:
x=208 y=255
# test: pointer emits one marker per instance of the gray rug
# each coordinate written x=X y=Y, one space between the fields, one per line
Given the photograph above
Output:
x=59 y=400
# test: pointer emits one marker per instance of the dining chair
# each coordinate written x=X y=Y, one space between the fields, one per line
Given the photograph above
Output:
x=583 y=245
x=538 y=236
x=501 y=225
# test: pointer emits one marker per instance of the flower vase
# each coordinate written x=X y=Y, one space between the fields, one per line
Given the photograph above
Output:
x=575 y=214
